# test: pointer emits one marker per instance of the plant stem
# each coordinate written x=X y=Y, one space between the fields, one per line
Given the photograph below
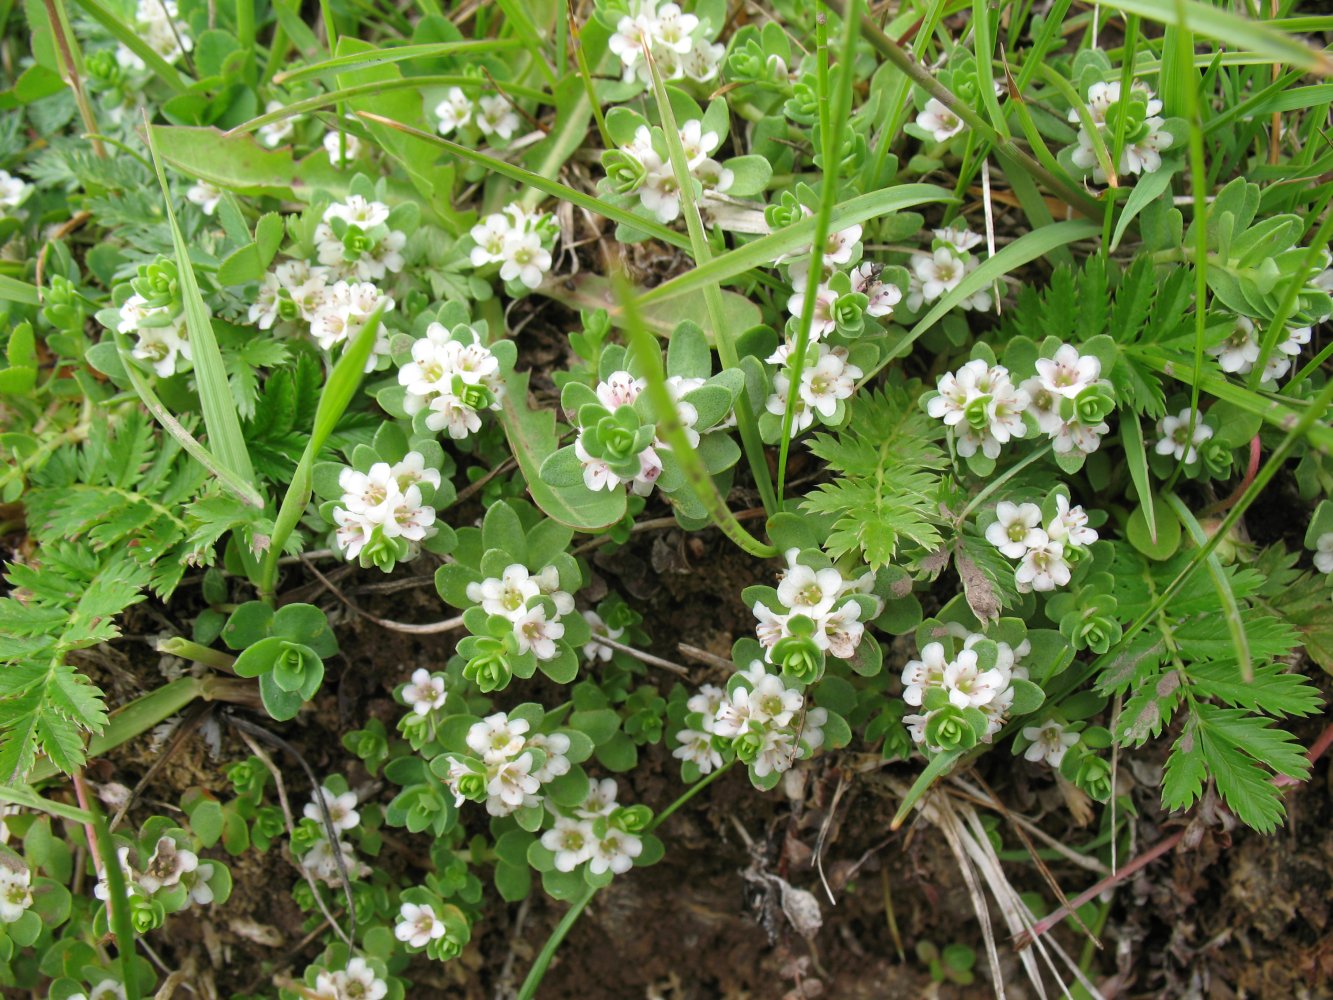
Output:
x=534 y=978
x=1000 y=480
x=118 y=892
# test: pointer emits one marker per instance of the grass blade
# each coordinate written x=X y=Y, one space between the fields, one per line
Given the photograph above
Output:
x=669 y=426
x=333 y=401
x=549 y=187
x=1239 y=639
x=220 y=419
x=751 y=443
x=1136 y=457
x=401 y=53
x=772 y=247
x=1026 y=248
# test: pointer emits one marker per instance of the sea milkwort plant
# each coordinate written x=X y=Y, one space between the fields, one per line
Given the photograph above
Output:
x=466 y=468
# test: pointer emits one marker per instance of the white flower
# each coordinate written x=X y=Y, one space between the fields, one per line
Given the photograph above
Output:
x=1239 y=350
x=777 y=753
x=497 y=116
x=341 y=809
x=881 y=297
x=601 y=800
x=426 y=691
x=592 y=650
x=511 y=781
x=15 y=893
x=1017 y=528
x=571 y=841
x=341 y=147
x=706 y=701
x=554 y=746
x=828 y=380
x=1323 y=556
x=808 y=591
x=939 y=120
x=629 y=37
x=454 y=112
x=160 y=346
x=839 y=246
x=619 y=389
x=272 y=134
x=359 y=982
x=205 y=195
x=507 y=594
x=615 y=852
x=497 y=737
x=696 y=142
x=418 y=925
x=659 y=192
x=926 y=672
x=967 y=685
x=939 y=273
x=264 y=310
x=959 y=237
x=1068 y=373
x=1043 y=568
x=770 y=701
x=673 y=29
x=812 y=728
x=103 y=888
x=986 y=397
x=13 y=190
x=490 y=236
x=1175 y=436
x=358 y=211
x=823 y=321
x=321 y=861
x=916 y=727
x=533 y=632
x=524 y=258
x=697 y=747
x=840 y=631
x=165 y=868
x=1070 y=524
x=1050 y=742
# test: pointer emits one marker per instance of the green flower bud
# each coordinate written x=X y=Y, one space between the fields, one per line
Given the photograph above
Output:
x=293 y=665
x=1093 y=405
x=803 y=105
x=356 y=243
x=849 y=312
x=248 y=777
x=1216 y=458
x=631 y=819
x=489 y=667
x=476 y=396
x=746 y=64
x=1090 y=631
x=1094 y=777
x=977 y=412
x=158 y=283
x=801 y=659
x=624 y=171
x=948 y=729
x=305 y=835
x=786 y=211
x=748 y=745
x=472 y=786
x=146 y=913
x=382 y=552
x=104 y=69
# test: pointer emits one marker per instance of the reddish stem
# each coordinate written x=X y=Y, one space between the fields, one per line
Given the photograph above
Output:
x=1317 y=750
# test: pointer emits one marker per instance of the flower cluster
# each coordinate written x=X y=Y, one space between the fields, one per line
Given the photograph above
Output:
x=964 y=697
x=157 y=23
x=598 y=831
x=1044 y=553
x=940 y=271
x=172 y=878
x=160 y=332
x=763 y=719
x=814 y=612
x=453 y=377
x=510 y=764
x=385 y=512
x=1135 y=119
x=492 y=115
x=519 y=241
x=827 y=378
x=1238 y=352
x=332 y=310
x=517 y=596
x=644 y=166
x=982 y=405
x=342 y=147
x=616 y=447
x=321 y=855
x=1070 y=400
x=679 y=43
x=357 y=242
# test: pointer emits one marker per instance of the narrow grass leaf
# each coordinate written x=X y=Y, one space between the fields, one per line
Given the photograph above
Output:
x=1240 y=640
x=400 y=53
x=220 y=419
x=1136 y=457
